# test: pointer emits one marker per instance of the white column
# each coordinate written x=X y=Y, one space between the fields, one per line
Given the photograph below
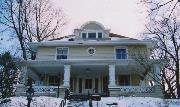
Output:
x=157 y=71
x=112 y=81
x=66 y=75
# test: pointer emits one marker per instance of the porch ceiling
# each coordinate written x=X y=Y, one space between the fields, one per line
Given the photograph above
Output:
x=84 y=69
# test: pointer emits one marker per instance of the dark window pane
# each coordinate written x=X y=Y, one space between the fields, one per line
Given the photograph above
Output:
x=62 y=53
x=121 y=54
x=53 y=80
x=91 y=35
x=83 y=35
x=61 y=56
x=124 y=80
x=99 y=35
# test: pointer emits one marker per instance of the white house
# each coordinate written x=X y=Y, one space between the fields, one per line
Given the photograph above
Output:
x=93 y=60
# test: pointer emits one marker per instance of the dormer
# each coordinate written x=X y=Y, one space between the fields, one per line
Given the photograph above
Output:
x=92 y=30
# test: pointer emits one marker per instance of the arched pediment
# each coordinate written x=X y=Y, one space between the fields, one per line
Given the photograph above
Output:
x=92 y=25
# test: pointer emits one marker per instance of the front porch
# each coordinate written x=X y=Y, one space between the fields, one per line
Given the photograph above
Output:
x=107 y=79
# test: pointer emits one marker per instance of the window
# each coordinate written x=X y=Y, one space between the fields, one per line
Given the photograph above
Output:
x=83 y=35
x=88 y=84
x=91 y=51
x=124 y=80
x=62 y=53
x=53 y=80
x=121 y=54
x=99 y=35
x=91 y=35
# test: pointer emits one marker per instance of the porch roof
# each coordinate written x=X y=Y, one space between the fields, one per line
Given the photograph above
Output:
x=78 y=62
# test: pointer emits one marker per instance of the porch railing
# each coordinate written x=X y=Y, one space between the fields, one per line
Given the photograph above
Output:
x=44 y=88
x=137 y=89
x=133 y=89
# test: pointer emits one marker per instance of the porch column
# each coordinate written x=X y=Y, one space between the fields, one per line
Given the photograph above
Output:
x=66 y=75
x=112 y=81
x=157 y=71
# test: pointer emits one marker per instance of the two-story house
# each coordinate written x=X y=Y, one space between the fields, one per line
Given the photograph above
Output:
x=93 y=60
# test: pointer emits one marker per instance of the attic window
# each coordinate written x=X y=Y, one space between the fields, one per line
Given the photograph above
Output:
x=83 y=35
x=99 y=35
x=91 y=35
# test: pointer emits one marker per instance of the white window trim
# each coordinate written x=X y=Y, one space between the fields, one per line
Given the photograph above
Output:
x=121 y=47
x=57 y=54
x=92 y=31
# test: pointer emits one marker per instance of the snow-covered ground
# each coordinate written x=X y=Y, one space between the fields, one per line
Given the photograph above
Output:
x=121 y=101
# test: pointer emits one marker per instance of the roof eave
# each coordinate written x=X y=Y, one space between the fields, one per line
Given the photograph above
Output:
x=34 y=45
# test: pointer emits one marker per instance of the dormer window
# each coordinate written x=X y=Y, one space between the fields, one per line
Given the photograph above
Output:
x=83 y=35
x=99 y=35
x=92 y=35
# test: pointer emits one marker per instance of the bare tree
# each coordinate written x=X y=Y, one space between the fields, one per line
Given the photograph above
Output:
x=44 y=22
x=166 y=77
x=12 y=19
x=146 y=63
x=159 y=7
x=166 y=33
x=31 y=20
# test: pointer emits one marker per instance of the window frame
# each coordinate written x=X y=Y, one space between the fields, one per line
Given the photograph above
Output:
x=53 y=77
x=98 y=35
x=91 y=35
x=94 y=31
x=123 y=84
x=121 y=47
x=59 y=54
x=82 y=35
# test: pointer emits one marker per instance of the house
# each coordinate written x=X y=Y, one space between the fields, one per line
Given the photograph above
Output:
x=93 y=60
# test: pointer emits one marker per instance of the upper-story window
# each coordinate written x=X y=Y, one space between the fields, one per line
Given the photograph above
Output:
x=99 y=35
x=121 y=53
x=92 y=35
x=62 y=53
x=83 y=35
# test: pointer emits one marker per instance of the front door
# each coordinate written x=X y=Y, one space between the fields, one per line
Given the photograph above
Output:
x=88 y=85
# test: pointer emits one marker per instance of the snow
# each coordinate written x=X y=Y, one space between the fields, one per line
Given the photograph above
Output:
x=36 y=102
x=121 y=101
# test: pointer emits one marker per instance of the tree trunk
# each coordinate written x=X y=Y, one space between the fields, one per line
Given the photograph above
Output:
x=177 y=79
